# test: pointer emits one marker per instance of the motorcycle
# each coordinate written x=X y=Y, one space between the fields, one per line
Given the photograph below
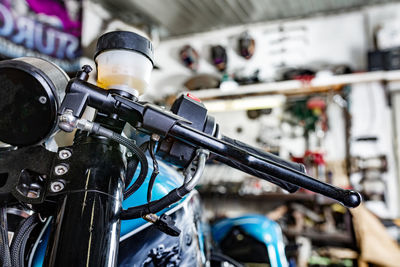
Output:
x=98 y=201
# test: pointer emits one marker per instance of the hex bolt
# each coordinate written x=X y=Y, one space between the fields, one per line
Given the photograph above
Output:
x=84 y=73
x=129 y=154
x=57 y=186
x=64 y=154
x=87 y=69
x=60 y=169
x=155 y=137
x=42 y=100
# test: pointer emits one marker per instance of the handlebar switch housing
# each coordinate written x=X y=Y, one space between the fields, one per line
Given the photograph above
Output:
x=175 y=151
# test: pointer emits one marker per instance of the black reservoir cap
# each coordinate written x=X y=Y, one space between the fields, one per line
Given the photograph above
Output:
x=125 y=40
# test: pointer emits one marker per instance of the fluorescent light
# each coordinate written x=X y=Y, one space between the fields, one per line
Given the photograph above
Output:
x=246 y=103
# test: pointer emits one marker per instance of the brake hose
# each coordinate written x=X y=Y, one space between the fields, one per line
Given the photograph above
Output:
x=152 y=206
x=131 y=168
x=96 y=128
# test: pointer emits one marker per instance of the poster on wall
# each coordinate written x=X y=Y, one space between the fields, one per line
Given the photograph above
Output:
x=49 y=29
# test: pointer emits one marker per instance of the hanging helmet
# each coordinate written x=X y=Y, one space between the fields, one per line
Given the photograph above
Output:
x=189 y=57
x=246 y=46
x=219 y=57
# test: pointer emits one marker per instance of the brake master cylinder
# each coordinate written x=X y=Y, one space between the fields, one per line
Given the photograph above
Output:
x=124 y=62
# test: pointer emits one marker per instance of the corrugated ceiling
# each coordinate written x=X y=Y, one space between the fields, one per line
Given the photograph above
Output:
x=181 y=17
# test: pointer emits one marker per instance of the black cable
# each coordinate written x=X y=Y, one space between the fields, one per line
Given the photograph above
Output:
x=150 y=207
x=154 y=206
x=136 y=151
x=5 y=256
x=142 y=175
x=151 y=183
x=131 y=168
x=21 y=235
x=155 y=170
x=158 y=205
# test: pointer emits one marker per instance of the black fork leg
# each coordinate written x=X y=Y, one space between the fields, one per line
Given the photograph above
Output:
x=86 y=230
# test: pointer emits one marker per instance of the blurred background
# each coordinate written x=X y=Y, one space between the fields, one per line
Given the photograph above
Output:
x=313 y=81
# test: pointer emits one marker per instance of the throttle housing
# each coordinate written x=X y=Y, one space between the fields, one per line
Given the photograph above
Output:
x=175 y=151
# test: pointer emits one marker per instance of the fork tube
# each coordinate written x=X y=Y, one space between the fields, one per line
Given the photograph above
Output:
x=86 y=230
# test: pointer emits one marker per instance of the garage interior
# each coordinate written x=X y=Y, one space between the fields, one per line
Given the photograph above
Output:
x=313 y=82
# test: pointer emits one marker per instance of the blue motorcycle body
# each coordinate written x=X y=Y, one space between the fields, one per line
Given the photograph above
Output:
x=251 y=239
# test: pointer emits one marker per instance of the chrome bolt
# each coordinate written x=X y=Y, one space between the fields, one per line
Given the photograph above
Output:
x=155 y=137
x=64 y=154
x=129 y=154
x=67 y=121
x=57 y=186
x=42 y=100
x=60 y=169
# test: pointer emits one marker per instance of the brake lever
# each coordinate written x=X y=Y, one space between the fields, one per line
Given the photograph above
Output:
x=348 y=198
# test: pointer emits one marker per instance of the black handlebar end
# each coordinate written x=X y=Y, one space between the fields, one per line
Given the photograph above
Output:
x=352 y=199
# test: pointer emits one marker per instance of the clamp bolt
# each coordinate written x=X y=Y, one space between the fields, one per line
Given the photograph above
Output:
x=42 y=100
x=64 y=154
x=57 y=186
x=60 y=169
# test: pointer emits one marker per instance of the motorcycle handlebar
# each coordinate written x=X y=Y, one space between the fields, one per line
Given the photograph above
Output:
x=237 y=154
x=233 y=153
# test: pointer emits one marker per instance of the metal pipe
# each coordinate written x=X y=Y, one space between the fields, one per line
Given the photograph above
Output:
x=202 y=156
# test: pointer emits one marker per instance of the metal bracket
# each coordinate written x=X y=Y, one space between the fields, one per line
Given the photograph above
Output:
x=24 y=174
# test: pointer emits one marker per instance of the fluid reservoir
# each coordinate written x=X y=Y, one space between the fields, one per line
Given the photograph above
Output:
x=124 y=62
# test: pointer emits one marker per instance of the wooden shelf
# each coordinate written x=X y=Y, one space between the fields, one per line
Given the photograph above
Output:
x=319 y=84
